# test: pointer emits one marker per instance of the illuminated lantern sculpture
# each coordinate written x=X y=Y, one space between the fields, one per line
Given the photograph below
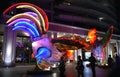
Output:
x=107 y=36
x=98 y=46
x=92 y=35
x=34 y=23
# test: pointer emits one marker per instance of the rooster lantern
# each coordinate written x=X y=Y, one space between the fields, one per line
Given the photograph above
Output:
x=35 y=23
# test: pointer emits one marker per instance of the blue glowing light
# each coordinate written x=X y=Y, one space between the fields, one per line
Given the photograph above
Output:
x=28 y=30
x=42 y=53
x=28 y=25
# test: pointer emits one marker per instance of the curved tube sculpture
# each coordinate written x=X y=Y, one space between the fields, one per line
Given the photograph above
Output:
x=34 y=23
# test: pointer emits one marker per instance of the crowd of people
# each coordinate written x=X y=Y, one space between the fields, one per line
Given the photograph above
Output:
x=79 y=66
x=112 y=65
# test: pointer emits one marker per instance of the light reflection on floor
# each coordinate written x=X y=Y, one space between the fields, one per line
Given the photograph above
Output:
x=87 y=70
x=20 y=71
x=54 y=74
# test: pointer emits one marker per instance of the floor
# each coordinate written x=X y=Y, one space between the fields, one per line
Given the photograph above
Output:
x=21 y=71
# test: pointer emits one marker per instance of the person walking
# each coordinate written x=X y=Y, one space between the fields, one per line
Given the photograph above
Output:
x=92 y=61
x=80 y=67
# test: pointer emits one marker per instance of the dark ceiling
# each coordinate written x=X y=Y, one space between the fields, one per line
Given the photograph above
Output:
x=99 y=14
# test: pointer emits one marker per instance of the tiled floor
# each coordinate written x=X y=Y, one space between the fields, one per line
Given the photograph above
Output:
x=21 y=71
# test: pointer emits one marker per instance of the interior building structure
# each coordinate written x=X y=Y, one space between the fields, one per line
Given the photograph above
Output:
x=23 y=43
x=73 y=17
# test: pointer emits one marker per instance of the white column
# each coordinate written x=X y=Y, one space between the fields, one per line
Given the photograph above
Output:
x=118 y=47
x=80 y=52
x=9 y=47
x=107 y=52
x=109 y=49
x=75 y=54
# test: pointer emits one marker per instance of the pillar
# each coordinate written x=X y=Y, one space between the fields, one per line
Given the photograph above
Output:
x=108 y=51
x=75 y=55
x=49 y=34
x=9 y=47
x=118 y=47
x=55 y=35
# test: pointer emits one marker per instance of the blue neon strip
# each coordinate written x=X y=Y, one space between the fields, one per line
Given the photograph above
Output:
x=28 y=25
x=38 y=61
x=43 y=53
x=25 y=29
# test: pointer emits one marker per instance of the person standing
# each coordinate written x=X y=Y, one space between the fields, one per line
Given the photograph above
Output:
x=92 y=61
x=62 y=67
x=117 y=60
x=115 y=71
x=80 y=67
x=110 y=62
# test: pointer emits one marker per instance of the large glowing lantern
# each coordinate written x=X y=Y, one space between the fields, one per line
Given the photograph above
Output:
x=92 y=35
x=34 y=23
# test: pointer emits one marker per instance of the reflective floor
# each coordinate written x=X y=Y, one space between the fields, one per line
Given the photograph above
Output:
x=21 y=71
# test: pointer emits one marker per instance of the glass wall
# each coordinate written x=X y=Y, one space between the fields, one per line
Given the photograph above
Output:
x=1 y=45
x=23 y=50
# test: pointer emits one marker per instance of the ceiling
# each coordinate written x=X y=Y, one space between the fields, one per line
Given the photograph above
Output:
x=99 y=14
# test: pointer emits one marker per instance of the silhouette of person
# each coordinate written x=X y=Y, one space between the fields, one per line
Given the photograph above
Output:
x=80 y=67
x=92 y=61
x=62 y=67
x=117 y=59
x=110 y=62
x=115 y=71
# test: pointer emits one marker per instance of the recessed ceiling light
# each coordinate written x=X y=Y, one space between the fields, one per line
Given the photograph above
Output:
x=101 y=18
